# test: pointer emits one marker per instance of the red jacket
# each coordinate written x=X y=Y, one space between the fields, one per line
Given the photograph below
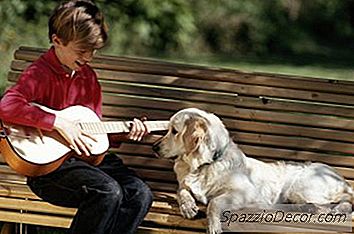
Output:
x=47 y=83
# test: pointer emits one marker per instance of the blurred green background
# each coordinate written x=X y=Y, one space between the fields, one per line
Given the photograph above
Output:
x=311 y=38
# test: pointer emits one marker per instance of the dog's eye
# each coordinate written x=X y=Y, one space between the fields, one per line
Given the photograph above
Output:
x=174 y=131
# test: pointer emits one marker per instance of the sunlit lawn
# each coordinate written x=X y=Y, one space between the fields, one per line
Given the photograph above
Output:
x=301 y=66
x=312 y=67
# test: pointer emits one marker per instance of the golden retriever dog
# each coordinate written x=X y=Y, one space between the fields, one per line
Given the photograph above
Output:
x=211 y=169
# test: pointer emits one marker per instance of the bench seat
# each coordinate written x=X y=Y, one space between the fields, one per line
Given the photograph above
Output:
x=270 y=116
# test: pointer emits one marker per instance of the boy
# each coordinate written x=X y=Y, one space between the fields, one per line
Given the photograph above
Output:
x=110 y=198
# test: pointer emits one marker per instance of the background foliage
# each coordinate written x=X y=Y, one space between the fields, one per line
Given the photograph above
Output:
x=301 y=31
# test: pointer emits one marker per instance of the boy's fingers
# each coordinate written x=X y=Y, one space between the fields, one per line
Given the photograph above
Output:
x=89 y=136
x=146 y=130
x=132 y=132
x=84 y=146
x=135 y=130
x=142 y=130
x=74 y=147
x=138 y=130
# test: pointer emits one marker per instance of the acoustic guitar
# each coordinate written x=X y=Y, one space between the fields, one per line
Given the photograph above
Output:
x=33 y=152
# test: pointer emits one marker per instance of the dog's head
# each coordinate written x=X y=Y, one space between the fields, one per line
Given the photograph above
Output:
x=194 y=135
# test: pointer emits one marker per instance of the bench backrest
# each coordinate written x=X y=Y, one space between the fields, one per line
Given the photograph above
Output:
x=271 y=117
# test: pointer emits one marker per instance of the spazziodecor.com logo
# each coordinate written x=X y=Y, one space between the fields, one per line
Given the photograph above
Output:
x=287 y=217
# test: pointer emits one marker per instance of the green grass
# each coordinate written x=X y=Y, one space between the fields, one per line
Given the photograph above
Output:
x=300 y=66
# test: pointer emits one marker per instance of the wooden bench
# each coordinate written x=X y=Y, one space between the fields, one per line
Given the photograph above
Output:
x=271 y=117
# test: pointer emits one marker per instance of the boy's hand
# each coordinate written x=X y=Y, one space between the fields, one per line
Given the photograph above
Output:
x=138 y=130
x=73 y=135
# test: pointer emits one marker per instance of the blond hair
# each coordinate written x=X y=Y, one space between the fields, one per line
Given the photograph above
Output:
x=80 y=21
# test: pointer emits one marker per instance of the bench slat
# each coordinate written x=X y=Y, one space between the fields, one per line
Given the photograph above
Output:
x=163 y=109
x=293 y=143
x=240 y=113
x=145 y=151
x=280 y=154
x=146 y=162
x=175 y=221
x=64 y=222
x=229 y=99
x=35 y=219
x=259 y=90
x=194 y=92
x=240 y=101
x=13 y=190
x=39 y=206
x=136 y=162
x=267 y=127
x=36 y=206
x=253 y=90
x=162 y=187
x=151 y=230
x=286 y=142
x=202 y=72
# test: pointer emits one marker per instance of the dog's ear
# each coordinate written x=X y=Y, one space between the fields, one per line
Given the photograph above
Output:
x=194 y=134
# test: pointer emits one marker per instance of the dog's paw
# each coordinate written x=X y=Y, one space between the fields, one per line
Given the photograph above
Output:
x=214 y=225
x=187 y=205
x=342 y=207
x=214 y=229
x=189 y=209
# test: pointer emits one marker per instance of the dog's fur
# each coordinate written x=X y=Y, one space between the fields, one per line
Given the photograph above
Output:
x=213 y=170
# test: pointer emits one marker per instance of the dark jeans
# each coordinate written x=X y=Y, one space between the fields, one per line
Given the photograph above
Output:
x=110 y=197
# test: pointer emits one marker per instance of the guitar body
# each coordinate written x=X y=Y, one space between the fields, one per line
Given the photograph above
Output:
x=32 y=152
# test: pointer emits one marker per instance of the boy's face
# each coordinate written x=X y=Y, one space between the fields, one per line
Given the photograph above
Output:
x=71 y=55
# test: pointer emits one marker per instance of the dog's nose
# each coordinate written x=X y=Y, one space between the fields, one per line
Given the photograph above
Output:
x=156 y=147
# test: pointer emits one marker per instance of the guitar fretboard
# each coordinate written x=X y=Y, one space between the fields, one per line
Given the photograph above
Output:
x=119 y=126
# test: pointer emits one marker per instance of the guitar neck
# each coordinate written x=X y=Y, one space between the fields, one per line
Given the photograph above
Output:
x=120 y=126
